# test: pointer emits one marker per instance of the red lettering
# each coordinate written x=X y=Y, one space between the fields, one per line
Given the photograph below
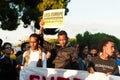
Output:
x=52 y=78
x=36 y=77
x=61 y=78
x=44 y=78
x=76 y=79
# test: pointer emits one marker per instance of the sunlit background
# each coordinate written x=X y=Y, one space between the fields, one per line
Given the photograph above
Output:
x=84 y=15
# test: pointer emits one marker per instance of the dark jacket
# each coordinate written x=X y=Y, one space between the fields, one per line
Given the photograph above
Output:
x=7 y=69
x=65 y=58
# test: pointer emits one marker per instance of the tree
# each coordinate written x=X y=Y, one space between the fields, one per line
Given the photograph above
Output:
x=8 y=15
x=89 y=39
x=12 y=12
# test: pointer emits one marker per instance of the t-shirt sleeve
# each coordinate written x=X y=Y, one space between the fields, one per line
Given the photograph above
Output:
x=116 y=69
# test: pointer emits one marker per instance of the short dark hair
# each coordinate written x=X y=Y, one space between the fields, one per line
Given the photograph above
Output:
x=103 y=42
x=34 y=35
x=23 y=45
x=94 y=46
x=62 y=32
x=6 y=43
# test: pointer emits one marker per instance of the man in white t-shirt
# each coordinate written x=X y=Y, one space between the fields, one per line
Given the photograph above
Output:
x=35 y=56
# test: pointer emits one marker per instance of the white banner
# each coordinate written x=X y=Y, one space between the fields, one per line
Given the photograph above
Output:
x=30 y=73
x=119 y=69
x=54 y=18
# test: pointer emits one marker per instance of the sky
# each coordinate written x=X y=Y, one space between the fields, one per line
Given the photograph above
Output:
x=94 y=16
x=84 y=15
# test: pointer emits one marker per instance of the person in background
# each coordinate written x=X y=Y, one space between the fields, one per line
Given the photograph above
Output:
x=93 y=50
x=118 y=59
x=77 y=47
x=103 y=62
x=8 y=51
x=7 y=65
x=65 y=56
x=84 y=57
x=24 y=47
x=13 y=54
x=1 y=41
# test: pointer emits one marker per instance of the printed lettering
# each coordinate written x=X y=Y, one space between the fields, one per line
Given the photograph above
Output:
x=34 y=77
x=76 y=79
x=61 y=78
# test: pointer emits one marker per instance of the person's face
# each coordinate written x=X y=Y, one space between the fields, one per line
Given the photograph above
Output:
x=8 y=49
x=27 y=47
x=62 y=39
x=33 y=43
x=85 y=51
x=93 y=51
x=89 y=57
x=109 y=48
x=77 y=47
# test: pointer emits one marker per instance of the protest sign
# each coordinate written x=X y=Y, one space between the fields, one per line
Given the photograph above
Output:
x=54 y=18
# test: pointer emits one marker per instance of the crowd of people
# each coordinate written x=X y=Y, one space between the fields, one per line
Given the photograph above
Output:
x=40 y=53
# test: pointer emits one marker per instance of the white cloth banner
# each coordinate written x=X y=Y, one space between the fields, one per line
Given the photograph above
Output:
x=35 y=73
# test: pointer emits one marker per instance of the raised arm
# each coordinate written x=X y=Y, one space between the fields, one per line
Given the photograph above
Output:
x=41 y=24
x=48 y=46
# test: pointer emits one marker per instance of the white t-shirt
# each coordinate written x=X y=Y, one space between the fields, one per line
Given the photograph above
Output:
x=34 y=57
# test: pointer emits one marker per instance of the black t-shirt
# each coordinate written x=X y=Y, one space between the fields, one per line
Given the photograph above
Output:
x=104 y=66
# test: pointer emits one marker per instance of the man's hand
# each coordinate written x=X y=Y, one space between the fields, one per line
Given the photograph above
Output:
x=40 y=57
x=48 y=54
x=91 y=70
x=41 y=24
x=107 y=74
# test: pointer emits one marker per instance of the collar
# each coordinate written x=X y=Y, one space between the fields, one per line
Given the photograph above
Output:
x=2 y=56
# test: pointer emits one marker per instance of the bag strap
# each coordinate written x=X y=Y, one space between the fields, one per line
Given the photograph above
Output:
x=27 y=56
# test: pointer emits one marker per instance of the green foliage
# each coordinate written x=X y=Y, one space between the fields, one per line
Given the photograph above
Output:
x=53 y=41
x=26 y=40
x=79 y=38
x=90 y=39
x=53 y=4
x=71 y=40
x=8 y=16
x=14 y=11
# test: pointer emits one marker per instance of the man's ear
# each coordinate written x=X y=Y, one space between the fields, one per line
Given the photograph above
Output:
x=104 y=47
